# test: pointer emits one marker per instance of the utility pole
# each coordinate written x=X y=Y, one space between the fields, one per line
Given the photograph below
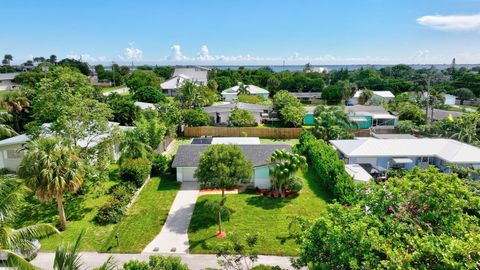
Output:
x=113 y=73
x=427 y=100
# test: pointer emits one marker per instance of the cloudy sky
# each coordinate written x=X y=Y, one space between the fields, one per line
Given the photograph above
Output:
x=244 y=32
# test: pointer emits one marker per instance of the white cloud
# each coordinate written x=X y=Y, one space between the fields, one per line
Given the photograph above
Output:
x=87 y=57
x=451 y=22
x=132 y=53
x=176 y=53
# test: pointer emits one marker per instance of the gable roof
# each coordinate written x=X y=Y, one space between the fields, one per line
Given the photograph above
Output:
x=145 y=105
x=356 y=109
x=188 y=155
x=194 y=73
x=446 y=149
x=238 y=105
x=252 y=89
x=306 y=94
x=383 y=94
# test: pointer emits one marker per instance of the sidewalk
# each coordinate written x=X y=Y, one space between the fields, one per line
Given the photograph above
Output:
x=194 y=262
x=173 y=237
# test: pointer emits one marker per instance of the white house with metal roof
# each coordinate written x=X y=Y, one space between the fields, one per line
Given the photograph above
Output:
x=197 y=75
x=408 y=153
x=187 y=157
x=6 y=81
x=385 y=96
x=12 y=153
x=231 y=93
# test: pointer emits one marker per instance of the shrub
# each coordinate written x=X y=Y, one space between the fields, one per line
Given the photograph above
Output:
x=157 y=262
x=135 y=171
x=149 y=94
x=329 y=168
x=196 y=118
x=113 y=211
x=253 y=99
x=160 y=164
x=240 y=118
x=406 y=127
x=266 y=267
x=295 y=185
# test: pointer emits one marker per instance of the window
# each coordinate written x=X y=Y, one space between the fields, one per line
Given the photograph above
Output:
x=14 y=154
x=424 y=159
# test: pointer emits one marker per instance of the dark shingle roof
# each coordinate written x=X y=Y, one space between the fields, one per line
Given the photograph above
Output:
x=188 y=155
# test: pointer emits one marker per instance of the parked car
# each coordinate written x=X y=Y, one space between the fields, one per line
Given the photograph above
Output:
x=29 y=254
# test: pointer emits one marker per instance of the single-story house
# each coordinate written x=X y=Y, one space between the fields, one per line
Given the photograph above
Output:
x=449 y=99
x=370 y=116
x=188 y=157
x=11 y=153
x=408 y=153
x=385 y=96
x=443 y=114
x=198 y=75
x=219 y=114
x=308 y=97
x=231 y=93
x=6 y=81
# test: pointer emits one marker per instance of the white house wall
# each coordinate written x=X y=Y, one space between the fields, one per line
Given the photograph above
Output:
x=10 y=157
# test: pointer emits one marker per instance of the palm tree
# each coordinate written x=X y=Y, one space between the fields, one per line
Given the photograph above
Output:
x=189 y=95
x=243 y=89
x=221 y=211
x=52 y=168
x=6 y=131
x=331 y=123
x=16 y=103
x=132 y=146
x=286 y=165
x=365 y=96
x=13 y=242
x=67 y=256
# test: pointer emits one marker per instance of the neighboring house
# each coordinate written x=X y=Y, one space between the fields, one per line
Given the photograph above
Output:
x=367 y=117
x=442 y=114
x=231 y=93
x=386 y=154
x=198 y=75
x=11 y=153
x=145 y=105
x=308 y=97
x=188 y=157
x=6 y=81
x=385 y=96
x=309 y=118
x=219 y=114
x=449 y=99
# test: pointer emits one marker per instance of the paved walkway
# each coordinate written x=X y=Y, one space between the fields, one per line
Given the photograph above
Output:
x=174 y=235
x=195 y=262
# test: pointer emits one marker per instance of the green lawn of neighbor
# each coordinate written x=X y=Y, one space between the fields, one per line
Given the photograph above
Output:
x=269 y=217
x=108 y=89
x=80 y=212
x=145 y=218
x=143 y=221
x=292 y=142
x=179 y=141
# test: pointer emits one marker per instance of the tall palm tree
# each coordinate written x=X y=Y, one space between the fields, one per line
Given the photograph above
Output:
x=16 y=103
x=52 y=168
x=365 y=96
x=131 y=146
x=190 y=95
x=16 y=241
x=243 y=89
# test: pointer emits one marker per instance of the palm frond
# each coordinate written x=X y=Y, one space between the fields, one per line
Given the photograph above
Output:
x=30 y=232
x=67 y=256
x=17 y=261
x=109 y=264
x=12 y=191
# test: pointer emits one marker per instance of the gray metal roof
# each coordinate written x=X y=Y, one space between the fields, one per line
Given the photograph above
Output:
x=442 y=114
x=306 y=94
x=239 y=105
x=8 y=76
x=188 y=155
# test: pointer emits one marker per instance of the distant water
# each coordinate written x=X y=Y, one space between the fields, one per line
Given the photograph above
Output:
x=278 y=68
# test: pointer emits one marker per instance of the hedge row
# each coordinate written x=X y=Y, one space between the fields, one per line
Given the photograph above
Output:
x=115 y=208
x=330 y=169
x=135 y=171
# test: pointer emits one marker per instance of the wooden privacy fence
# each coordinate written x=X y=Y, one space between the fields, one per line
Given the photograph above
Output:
x=274 y=133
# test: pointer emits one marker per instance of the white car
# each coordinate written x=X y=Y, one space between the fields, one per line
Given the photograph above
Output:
x=26 y=254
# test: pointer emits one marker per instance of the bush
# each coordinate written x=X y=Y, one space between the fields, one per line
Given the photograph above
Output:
x=157 y=262
x=406 y=127
x=295 y=185
x=241 y=118
x=135 y=171
x=160 y=164
x=330 y=169
x=115 y=208
x=196 y=118
x=149 y=94
x=253 y=99
x=266 y=267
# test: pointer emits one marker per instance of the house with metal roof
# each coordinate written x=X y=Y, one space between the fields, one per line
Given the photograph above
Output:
x=385 y=96
x=220 y=114
x=366 y=117
x=308 y=97
x=188 y=157
x=231 y=93
x=406 y=153
x=197 y=75
x=6 y=81
x=145 y=105
x=12 y=153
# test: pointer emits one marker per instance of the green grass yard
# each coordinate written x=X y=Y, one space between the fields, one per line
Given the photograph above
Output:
x=292 y=142
x=145 y=218
x=108 y=89
x=269 y=217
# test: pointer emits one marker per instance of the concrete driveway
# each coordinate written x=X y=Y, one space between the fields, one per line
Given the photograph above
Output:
x=174 y=235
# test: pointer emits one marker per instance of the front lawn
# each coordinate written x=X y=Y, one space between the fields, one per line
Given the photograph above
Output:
x=145 y=218
x=269 y=217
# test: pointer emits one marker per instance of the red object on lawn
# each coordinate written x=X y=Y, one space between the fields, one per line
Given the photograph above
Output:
x=275 y=195
x=221 y=234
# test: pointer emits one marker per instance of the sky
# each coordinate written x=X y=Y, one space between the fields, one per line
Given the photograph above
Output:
x=244 y=32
